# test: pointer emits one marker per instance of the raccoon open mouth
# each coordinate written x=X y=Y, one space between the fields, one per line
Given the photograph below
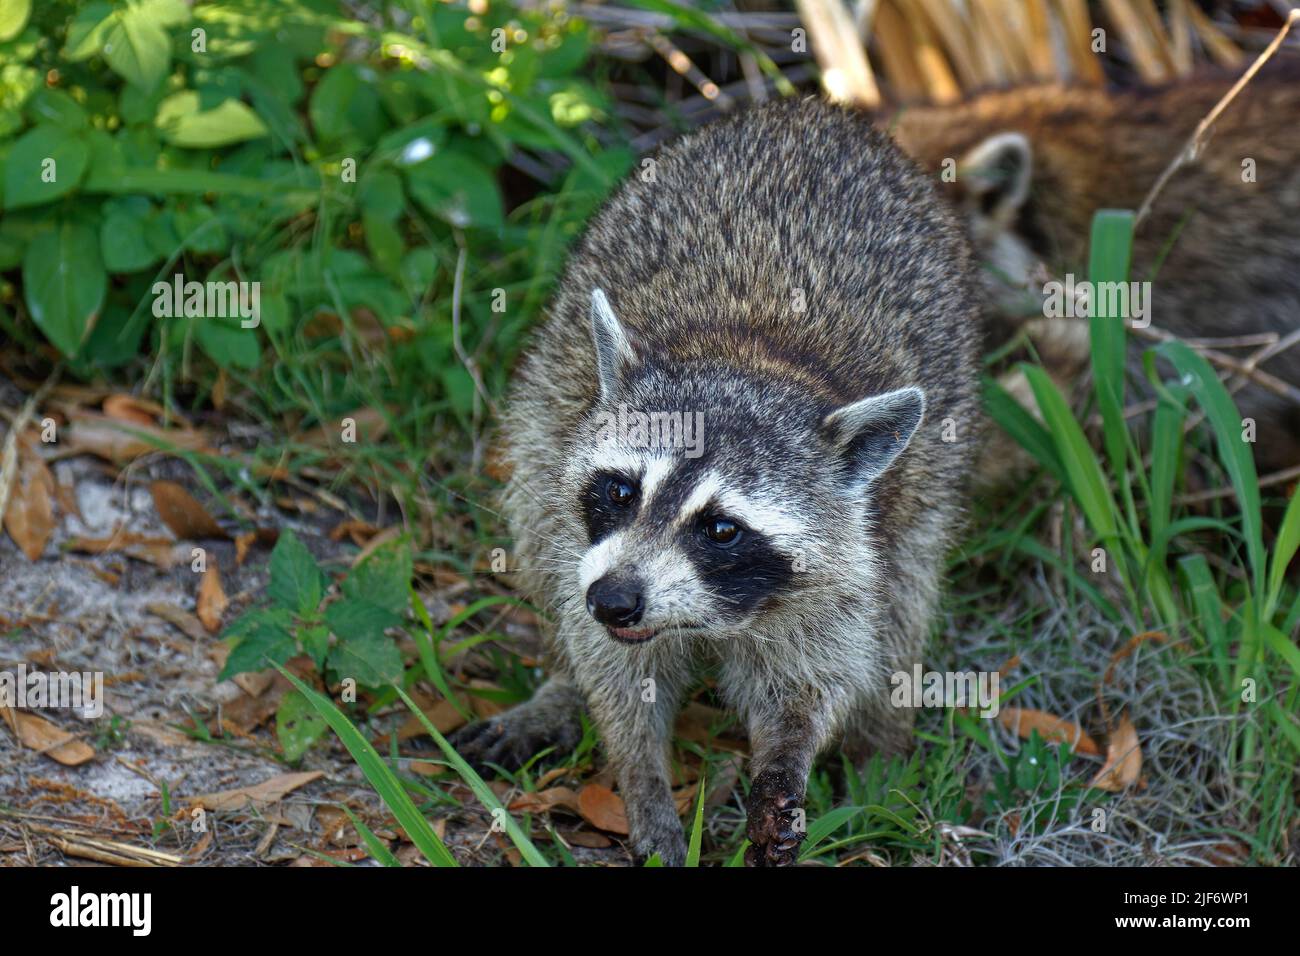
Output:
x=631 y=635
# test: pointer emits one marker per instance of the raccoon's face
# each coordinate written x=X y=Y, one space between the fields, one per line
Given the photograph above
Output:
x=709 y=498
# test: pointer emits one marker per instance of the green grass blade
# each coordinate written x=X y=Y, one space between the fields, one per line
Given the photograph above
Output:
x=481 y=790
x=378 y=849
x=1084 y=477
x=1284 y=549
x=1110 y=249
x=380 y=776
x=697 y=828
x=1234 y=454
x=1026 y=430
x=1209 y=608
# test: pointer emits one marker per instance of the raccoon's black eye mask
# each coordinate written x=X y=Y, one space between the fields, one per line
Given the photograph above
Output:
x=608 y=502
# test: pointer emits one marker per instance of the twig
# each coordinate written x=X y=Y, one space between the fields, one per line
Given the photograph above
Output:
x=1265 y=481
x=1196 y=142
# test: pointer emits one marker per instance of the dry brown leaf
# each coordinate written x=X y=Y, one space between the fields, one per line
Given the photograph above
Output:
x=160 y=552
x=443 y=715
x=543 y=801
x=37 y=733
x=603 y=808
x=1054 y=730
x=129 y=408
x=242 y=543
x=258 y=795
x=119 y=442
x=182 y=620
x=182 y=513
x=211 y=602
x=1123 y=765
x=371 y=425
x=587 y=838
x=29 y=518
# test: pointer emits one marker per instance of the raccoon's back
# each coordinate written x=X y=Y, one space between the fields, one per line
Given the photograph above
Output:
x=794 y=237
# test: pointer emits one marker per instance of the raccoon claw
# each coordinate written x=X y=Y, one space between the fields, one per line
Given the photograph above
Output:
x=510 y=740
x=776 y=825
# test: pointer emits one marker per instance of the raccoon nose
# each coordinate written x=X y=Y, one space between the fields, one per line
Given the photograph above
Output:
x=614 y=603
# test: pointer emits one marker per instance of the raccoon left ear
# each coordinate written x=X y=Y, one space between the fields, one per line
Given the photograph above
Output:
x=872 y=432
x=998 y=172
x=613 y=351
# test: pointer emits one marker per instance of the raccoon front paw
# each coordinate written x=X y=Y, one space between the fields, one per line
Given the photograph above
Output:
x=776 y=821
x=511 y=739
x=669 y=843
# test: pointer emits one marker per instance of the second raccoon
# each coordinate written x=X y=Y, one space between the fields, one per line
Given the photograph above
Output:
x=1220 y=245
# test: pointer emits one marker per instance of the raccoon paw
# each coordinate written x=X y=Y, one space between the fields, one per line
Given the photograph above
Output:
x=669 y=843
x=776 y=826
x=510 y=740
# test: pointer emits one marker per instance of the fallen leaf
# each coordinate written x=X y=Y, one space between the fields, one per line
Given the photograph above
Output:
x=160 y=552
x=368 y=425
x=211 y=602
x=128 y=408
x=37 y=733
x=1123 y=764
x=587 y=838
x=443 y=715
x=29 y=518
x=119 y=442
x=543 y=801
x=182 y=620
x=603 y=808
x=1054 y=730
x=182 y=513
x=258 y=795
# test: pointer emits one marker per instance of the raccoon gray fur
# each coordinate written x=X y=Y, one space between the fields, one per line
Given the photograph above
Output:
x=1033 y=165
x=791 y=277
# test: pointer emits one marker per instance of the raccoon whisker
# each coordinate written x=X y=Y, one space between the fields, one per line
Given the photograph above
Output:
x=496 y=514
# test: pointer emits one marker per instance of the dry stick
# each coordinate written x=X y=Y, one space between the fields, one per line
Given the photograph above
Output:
x=9 y=458
x=683 y=66
x=846 y=74
x=1243 y=368
x=1196 y=141
x=1265 y=481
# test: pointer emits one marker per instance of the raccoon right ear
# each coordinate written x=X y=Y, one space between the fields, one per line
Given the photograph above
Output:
x=872 y=432
x=613 y=351
x=998 y=172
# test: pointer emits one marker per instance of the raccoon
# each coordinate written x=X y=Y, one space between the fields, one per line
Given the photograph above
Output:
x=1219 y=246
x=787 y=279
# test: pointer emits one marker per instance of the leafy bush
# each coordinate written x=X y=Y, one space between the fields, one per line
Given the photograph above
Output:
x=346 y=165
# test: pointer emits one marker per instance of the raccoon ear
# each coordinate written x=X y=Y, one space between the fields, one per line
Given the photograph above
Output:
x=872 y=432
x=997 y=172
x=613 y=351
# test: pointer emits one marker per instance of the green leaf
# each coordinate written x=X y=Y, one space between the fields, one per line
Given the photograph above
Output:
x=296 y=581
x=371 y=659
x=87 y=32
x=383 y=578
x=457 y=189
x=123 y=243
x=264 y=639
x=137 y=48
x=697 y=828
x=183 y=124
x=227 y=342
x=64 y=284
x=345 y=105
x=297 y=725
x=380 y=776
x=47 y=162
x=13 y=17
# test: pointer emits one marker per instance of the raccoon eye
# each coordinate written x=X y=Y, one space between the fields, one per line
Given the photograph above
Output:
x=721 y=531
x=619 y=491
